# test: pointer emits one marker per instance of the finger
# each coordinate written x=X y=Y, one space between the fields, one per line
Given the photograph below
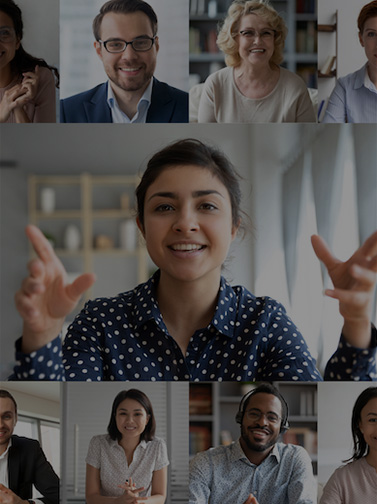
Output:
x=351 y=299
x=25 y=307
x=323 y=252
x=31 y=286
x=369 y=247
x=36 y=268
x=366 y=278
x=76 y=289
x=136 y=490
x=40 y=244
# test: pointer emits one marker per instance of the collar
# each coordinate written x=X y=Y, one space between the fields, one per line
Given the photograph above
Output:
x=238 y=453
x=5 y=454
x=114 y=442
x=367 y=82
x=142 y=106
x=223 y=321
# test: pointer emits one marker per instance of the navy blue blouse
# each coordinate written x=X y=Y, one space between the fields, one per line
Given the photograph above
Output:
x=249 y=338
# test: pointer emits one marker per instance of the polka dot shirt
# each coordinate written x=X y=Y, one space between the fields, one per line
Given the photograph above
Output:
x=125 y=338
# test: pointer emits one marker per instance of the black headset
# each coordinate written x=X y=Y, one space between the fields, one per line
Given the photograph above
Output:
x=284 y=426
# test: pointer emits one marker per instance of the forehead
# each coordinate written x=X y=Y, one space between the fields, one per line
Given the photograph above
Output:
x=253 y=21
x=130 y=405
x=370 y=407
x=6 y=404
x=371 y=23
x=267 y=403
x=185 y=179
x=125 y=26
x=5 y=20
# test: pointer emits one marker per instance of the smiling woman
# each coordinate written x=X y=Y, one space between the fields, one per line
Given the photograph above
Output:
x=187 y=322
x=128 y=462
x=253 y=87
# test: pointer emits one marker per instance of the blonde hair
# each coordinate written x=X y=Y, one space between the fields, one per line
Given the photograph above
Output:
x=239 y=8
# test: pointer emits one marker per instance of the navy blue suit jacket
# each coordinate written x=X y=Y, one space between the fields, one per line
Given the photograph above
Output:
x=27 y=466
x=168 y=105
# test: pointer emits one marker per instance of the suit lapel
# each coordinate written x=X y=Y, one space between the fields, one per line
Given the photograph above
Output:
x=14 y=462
x=162 y=104
x=97 y=109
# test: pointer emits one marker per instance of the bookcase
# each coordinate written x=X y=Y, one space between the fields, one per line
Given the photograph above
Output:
x=97 y=207
x=213 y=407
x=300 y=47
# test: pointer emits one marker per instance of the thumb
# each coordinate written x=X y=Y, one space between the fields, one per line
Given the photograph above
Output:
x=80 y=285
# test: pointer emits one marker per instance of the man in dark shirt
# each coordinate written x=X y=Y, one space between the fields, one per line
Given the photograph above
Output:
x=22 y=462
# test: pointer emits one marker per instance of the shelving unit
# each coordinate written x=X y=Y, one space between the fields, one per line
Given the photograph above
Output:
x=222 y=400
x=300 y=48
x=330 y=29
x=96 y=205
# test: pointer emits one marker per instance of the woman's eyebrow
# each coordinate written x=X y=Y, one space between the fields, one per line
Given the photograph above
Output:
x=195 y=194
x=372 y=414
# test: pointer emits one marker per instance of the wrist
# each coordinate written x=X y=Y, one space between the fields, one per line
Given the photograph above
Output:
x=35 y=340
x=357 y=332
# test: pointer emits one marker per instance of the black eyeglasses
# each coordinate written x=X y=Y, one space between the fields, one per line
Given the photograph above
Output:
x=140 y=44
x=255 y=415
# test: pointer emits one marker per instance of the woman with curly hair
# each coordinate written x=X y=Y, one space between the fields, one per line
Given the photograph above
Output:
x=27 y=84
x=253 y=88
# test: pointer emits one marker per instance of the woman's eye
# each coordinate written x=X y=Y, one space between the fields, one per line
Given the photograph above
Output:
x=208 y=206
x=164 y=208
x=371 y=34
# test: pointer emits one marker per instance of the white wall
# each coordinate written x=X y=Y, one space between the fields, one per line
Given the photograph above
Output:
x=36 y=399
x=351 y=55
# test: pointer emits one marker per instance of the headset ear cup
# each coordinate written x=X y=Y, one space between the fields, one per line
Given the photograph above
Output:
x=284 y=427
x=239 y=417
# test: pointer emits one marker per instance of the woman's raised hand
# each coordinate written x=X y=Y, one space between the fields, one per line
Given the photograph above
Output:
x=45 y=297
x=354 y=283
x=13 y=98
x=251 y=500
x=30 y=83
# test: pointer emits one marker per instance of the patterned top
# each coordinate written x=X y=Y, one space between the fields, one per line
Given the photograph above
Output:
x=353 y=100
x=224 y=474
x=249 y=338
x=107 y=455
x=354 y=482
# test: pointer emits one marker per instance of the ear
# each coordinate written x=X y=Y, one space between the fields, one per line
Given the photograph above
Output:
x=97 y=47
x=235 y=229
x=157 y=43
x=140 y=226
x=361 y=39
x=18 y=43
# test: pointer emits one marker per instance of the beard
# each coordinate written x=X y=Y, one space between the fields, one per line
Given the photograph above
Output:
x=258 y=447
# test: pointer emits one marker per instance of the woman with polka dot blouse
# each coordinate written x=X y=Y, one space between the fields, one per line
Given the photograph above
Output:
x=128 y=463
x=187 y=322
x=357 y=481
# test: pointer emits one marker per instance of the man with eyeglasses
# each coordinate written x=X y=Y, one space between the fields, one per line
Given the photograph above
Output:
x=127 y=44
x=22 y=462
x=256 y=469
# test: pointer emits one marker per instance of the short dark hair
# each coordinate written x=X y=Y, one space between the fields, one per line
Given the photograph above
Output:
x=369 y=10
x=192 y=152
x=265 y=388
x=8 y=395
x=360 y=447
x=124 y=7
x=23 y=61
x=140 y=397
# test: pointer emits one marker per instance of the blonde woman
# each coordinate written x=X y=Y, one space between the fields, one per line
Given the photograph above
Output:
x=253 y=88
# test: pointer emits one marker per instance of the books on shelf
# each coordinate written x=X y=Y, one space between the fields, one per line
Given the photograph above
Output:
x=199 y=438
x=327 y=67
x=302 y=436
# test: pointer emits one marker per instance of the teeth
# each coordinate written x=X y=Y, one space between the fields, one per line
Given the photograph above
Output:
x=186 y=246
x=129 y=69
x=257 y=50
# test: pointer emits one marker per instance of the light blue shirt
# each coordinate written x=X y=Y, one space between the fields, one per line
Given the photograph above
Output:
x=224 y=475
x=353 y=100
x=118 y=116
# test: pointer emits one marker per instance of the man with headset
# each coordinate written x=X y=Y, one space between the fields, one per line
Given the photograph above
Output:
x=255 y=469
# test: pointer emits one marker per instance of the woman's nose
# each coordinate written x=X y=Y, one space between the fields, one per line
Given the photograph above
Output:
x=186 y=221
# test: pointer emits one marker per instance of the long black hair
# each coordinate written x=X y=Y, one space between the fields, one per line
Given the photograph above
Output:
x=360 y=447
x=23 y=61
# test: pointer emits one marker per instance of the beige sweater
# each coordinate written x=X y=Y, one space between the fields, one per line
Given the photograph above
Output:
x=222 y=102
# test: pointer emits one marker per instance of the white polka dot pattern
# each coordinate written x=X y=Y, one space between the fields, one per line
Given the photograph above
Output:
x=106 y=455
x=249 y=338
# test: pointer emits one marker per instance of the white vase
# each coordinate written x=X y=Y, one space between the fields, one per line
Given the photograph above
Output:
x=72 y=238
x=47 y=200
x=128 y=235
